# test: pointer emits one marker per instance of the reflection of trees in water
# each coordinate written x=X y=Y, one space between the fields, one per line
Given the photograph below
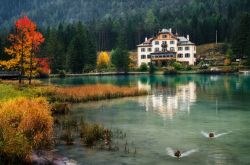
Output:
x=208 y=87
x=228 y=87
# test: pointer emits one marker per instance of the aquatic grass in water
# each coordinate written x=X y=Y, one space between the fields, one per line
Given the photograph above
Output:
x=91 y=135
x=92 y=93
x=68 y=94
x=94 y=133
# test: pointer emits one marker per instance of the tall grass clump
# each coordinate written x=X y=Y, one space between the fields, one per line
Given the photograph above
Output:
x=94 y=133
x=93 y=93
x=26 y=124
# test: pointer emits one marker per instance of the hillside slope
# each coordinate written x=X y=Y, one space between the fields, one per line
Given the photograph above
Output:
x=212 y=52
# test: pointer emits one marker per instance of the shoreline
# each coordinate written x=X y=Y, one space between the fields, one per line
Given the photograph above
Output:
x=205 y=72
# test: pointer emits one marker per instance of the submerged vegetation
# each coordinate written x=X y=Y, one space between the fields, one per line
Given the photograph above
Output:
x=92 y=135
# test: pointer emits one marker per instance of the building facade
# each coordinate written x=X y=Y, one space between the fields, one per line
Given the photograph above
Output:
x=166 y=46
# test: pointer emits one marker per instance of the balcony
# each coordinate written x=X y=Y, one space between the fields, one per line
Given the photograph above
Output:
x=163 y=56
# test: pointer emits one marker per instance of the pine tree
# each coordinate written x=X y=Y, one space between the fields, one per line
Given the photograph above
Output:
x=120 y=56
x=77 y=52
x=55 y=52
x=91 y=54
x=241 y=39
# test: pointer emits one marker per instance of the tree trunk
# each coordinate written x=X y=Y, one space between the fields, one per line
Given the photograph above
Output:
x=31 y=65
x=22 y=61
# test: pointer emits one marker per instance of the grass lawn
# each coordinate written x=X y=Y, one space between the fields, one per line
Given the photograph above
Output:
x=9 y=91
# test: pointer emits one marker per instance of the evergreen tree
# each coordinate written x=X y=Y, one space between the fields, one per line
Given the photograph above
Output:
x=241 y=41
x=120 y=56
x=55 y=52
x=91 y=54
x=77 y=52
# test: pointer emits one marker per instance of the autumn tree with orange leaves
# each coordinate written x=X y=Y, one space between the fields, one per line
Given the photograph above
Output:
x=25 y=42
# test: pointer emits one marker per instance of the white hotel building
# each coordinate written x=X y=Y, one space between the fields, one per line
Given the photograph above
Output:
x=166 y=46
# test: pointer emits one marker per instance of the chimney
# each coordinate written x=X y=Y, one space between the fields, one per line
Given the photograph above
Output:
x=170 y=30
x=188 y=37
x=146 y=39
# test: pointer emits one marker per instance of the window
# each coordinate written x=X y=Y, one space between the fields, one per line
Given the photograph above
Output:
x=164 y=49
x=164 y=36
x=187 y=55
x=142 y=49
x=195 y=55
x=180 y=55
x=171 y=48
x=164 y=42
x=149 y=49
x=194 y=48
x=157 y=49
x=180 y=48
x=148 y=56
x=156 y=42
x=143 y=56
x=171 y=42
x=187 y=48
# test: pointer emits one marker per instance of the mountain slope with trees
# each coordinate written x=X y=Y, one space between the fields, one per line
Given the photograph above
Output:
x=75 y=31
x=199 y=18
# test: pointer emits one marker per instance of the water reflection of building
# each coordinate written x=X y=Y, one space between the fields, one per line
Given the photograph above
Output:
x=169 y=100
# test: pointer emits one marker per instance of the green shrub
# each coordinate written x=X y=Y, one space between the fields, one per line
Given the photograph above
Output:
x=177 y=66
x=170 y=70
x=144 y=67
x=203 y=65
x=152 y=68
x=188 y=67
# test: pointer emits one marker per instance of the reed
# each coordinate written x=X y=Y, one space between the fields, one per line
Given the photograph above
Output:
x=91 y=134
x=91 y=93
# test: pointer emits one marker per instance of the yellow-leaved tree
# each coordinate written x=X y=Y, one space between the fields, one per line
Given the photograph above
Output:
x=103 y=61
x=25 y=42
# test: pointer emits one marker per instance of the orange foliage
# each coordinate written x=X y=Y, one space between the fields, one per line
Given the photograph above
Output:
x=25 y=125
x=94 y=92
x=25 y=42
x=43 y=65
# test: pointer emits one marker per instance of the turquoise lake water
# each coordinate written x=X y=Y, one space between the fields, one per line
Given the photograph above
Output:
x=179 y=108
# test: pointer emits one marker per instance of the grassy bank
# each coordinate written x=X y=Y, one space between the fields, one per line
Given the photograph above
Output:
x=82 y=93
x=27 y=123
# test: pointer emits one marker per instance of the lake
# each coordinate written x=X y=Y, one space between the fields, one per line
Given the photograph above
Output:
x=175 y=113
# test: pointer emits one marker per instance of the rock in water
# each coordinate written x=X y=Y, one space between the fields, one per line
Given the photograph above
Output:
x=50 y=158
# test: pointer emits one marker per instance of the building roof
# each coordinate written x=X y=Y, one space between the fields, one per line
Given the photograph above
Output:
x=181 y=39
x=165 y=31
x=148 y=42
x=184 y=41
